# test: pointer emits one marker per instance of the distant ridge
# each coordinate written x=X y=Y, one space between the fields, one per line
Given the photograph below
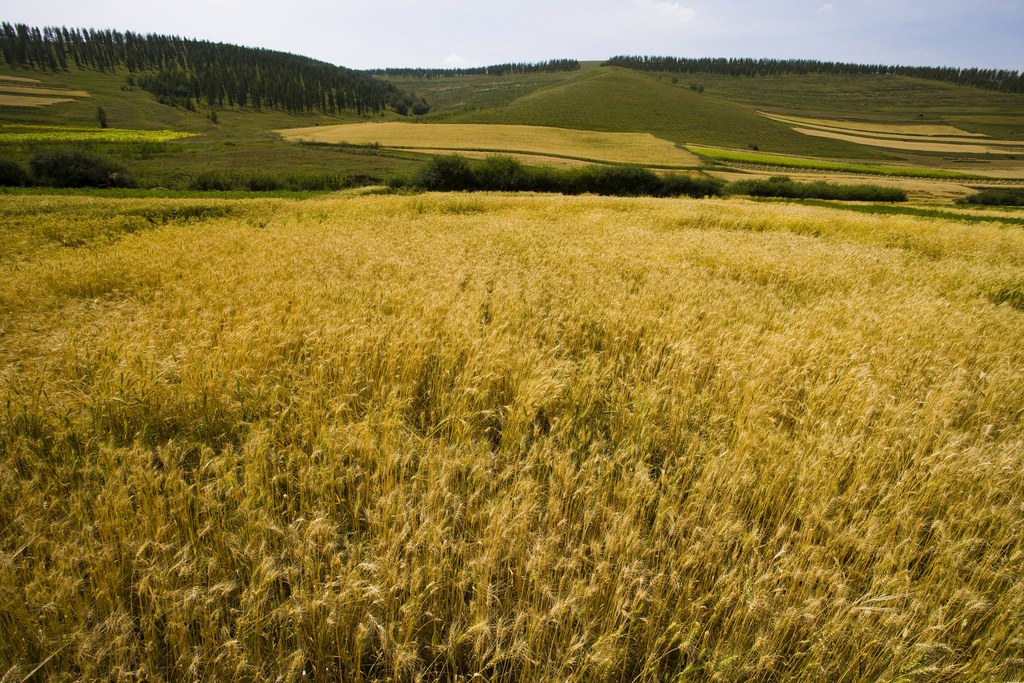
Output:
x=989 y=79
x=192 y=73
x=552 y=66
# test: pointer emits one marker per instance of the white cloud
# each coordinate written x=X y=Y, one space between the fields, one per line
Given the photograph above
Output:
x=456 y=61
x=667 y=12
x=824 y=9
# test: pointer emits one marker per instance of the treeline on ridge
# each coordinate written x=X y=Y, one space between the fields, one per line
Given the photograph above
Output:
x=187 y=73
x=552 y=66
x=989 y=79
x=503 y=173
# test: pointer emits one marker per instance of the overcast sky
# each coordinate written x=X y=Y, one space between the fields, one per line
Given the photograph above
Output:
x=365 y=34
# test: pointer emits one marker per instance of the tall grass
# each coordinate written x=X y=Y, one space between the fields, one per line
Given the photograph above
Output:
x=508 y=438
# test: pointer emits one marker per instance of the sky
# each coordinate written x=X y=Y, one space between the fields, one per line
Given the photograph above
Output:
x=457 y=33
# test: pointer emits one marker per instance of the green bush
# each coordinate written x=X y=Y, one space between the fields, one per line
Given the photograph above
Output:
x=12 y=174
x=502 y=173
x=1007 y=197
x=506 y=174
x=78 y=168
x=446 y=173
x=782 y=186
x=211 y=180
x=681 y=184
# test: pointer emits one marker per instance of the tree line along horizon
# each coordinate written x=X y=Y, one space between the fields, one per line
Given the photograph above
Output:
x=193 y=73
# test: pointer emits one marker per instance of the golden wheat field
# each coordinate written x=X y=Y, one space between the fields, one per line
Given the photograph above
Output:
x=624 y=148
x=508 y=438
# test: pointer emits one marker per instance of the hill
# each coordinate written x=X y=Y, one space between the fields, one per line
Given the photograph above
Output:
x=618 y=100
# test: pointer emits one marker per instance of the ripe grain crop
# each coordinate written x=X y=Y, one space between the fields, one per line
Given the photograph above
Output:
x=909 y=129
x=797 y=162
x=468 y=437
x=623 y=148
x=919 y=145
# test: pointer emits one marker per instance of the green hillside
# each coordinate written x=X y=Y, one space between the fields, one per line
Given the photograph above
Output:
x=240 y=142
x=618 y=100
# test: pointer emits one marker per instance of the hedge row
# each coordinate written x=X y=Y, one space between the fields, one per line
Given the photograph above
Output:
x=453 y=172
x=782 y=186
x=66 y=168
x=1007 y=197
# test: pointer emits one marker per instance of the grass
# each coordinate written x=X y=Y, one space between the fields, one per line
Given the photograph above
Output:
x=241 y=140
x=879 y=100
x=623 y=148
x=530 y=438
x=787 y=162
x=69 y=134
x=618 y=100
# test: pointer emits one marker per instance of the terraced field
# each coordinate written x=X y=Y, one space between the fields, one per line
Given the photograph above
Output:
x=622 y=148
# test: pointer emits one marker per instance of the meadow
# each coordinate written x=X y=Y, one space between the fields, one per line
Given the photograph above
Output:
x=622 y=148
x=509 y=438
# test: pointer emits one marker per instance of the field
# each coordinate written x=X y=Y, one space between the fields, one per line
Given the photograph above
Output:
x=520 y=438
x=941 y=132
x=966 y=147
x=623 y=148
x=69 y=134
x=796 y=162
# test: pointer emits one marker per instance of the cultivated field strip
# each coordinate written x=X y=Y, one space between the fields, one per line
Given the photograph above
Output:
x=624 y=148
x=508 y=438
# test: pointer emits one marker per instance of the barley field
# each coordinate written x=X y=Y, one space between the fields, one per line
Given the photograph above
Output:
x=920 y=145
x=881 y=129
x=624 y=148
x=508 y=438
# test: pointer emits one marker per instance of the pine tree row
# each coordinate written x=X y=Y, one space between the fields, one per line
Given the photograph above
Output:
x=551 y=66
x=194 y=72
x=989 y=79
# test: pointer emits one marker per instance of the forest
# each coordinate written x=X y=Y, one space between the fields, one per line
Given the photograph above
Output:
x=190 y=73
x=552 y=66
x=989 y=79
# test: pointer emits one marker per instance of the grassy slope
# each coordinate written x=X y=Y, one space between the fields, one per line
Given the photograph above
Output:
x=240 y=140
x=882 y=99
x=613 y=99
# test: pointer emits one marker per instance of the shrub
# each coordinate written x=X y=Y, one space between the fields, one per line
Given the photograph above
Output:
x=502 y=173
x=262 y=182
x=211 y=180
x=446 y=173
x=679 y=184
x=1007 y=197
x=12 y=174
x=77 y=168
x=782 y=186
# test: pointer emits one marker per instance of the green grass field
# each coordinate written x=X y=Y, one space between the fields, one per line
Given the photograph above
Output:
x=618 y=100
x=594 y=98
